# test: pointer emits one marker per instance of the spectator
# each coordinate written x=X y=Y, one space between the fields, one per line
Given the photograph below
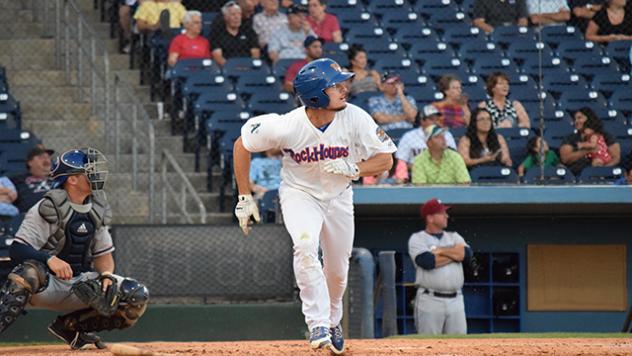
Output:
x=126 y=9
x=325 y=25
x=398 y=174
x=481 y=145
x=365 y=79
x=454 y=109
x=488 y=14
x=573 y=156
x=505 y=113
x=612 y=23
x=439 y=257
x=626 y=179
x=414 y=141
x=393 y=109
x=582 y=11
x=534 y=146
x=149 y=14
x=268 y=21
x=438 y=165
x=265 y=173
x=32 y=186
x=8 y=195
x=548 y=12
x=313 y=50
x=593 y=141
x=190 y=44
x=233 y=39
x=288 y=39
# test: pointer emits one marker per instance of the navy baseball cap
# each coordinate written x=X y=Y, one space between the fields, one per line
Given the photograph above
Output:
x=311 y=39
x=297 y=9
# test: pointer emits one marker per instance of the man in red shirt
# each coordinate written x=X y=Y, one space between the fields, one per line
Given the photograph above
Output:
x=190 y=44
x=324 y=25
x=313 y=50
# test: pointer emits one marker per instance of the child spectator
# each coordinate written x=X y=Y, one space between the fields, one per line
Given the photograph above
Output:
x=265 y=173
x=593 y=140
x=534 y=145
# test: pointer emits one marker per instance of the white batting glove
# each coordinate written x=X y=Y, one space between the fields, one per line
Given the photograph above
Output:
x=342 y=167
x=246 y=207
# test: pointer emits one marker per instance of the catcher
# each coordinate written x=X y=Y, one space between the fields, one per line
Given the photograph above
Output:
x=63 y=257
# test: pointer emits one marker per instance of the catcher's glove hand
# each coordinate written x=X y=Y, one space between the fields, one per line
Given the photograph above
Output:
x=91 y=293
x=246 y=208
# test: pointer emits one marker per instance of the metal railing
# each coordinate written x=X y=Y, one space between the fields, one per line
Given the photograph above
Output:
x=185 y=190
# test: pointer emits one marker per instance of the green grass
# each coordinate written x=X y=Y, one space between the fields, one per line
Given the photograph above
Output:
x=34 y=343
x=557 y=335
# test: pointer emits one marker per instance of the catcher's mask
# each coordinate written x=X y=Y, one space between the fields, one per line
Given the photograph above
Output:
x=88 y=161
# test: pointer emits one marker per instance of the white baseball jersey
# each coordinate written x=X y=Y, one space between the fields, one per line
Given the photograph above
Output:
x=352 y=135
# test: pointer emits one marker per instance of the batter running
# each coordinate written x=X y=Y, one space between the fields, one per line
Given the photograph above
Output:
x=326 y=144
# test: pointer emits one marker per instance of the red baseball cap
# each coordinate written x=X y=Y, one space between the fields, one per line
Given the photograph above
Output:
x=433 y=206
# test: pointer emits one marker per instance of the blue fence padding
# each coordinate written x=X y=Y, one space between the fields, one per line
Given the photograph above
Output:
x=386 y=260
x=361 y=305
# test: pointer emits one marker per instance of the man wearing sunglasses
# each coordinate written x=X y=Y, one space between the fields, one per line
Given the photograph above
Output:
x=326 y=144
x=63 y=256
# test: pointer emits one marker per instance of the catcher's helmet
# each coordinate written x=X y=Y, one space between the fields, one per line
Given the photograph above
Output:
x=316 y=76
x=87 y=161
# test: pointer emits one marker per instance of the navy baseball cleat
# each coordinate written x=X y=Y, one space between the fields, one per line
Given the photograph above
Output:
x=319 y=337
x=75 y=339
x=337 y=345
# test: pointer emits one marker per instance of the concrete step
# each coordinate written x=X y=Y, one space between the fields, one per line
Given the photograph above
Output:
x=198 y=180
x=19 y=30
x=46 y=78
x=45 y=110
x=185 y=160
x=63 y=95
x=126 y=202
x=57 y=126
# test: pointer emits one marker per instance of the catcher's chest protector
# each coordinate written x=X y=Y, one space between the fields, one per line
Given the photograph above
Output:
x=73 y=240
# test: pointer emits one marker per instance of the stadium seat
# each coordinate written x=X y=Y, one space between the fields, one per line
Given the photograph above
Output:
x=414 y=79
x=364 y=35
x=269 y=206
x=354 y=17
x=248 y=84
x=599 y=175
x=548 y=67
x=236 y=66
x=204 y=82
x=393 y=21
x=617 y=129
x=380 y=49
x=577 y=48
x=423 y=93
x=439 y=64
x=554 y=35
x=458 y=132
x=520 y=51
x=575 y=98
x=336 y=6
x=271 y=102
x=515 y=133
x=550 y=114
x=396 y=134
x=550 y=176
x=429 y=7
x=506 y=35
x=493 y=175
x=207 y=21
x=557 y=84
x=362 y=99
x=517 y=150
x=620 y=52
x=401 y=65
x=491 y=64
x=591 y=66
x=219 y=123
x=446 y=18
x=463 y=34
x=608 y=83
x=388 y=6
x=280 y=67
x=622 y=101
x=555 y=132
x=475 y=91
x=409 y=34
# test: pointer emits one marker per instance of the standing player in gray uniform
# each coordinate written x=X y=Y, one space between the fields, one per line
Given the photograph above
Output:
x=439 y=255
x=63 y=252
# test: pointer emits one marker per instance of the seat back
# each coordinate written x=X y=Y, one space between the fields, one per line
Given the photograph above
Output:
x=493 y=175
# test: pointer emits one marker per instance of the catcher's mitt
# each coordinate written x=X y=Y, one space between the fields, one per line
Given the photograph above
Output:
x=91 y=293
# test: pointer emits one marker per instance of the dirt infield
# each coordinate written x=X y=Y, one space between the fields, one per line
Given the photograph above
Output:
x=570 y=346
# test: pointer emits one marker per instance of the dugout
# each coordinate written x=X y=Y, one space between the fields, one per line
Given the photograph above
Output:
x=568 y=247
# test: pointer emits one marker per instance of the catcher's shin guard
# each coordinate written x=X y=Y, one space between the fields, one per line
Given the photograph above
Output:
x=26 y=279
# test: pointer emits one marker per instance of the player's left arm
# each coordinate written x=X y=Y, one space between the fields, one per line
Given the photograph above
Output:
x=375 y=165
x=104 y=264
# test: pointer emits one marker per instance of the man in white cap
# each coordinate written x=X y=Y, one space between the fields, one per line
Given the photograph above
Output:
x=438 y=165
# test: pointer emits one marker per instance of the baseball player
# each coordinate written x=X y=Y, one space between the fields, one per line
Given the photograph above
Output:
x=63 y=253
x=438 y=255
x=326 y=143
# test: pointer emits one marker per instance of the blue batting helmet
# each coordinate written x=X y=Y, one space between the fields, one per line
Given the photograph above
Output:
x=88 y=161
x=316 y=76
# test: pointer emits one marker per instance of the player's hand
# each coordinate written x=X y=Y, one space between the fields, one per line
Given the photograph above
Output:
x=60 y=268
x=246 y=207
x=342 y=167
x=105 y=282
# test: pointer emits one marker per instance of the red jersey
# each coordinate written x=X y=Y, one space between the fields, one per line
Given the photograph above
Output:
x=190 y=48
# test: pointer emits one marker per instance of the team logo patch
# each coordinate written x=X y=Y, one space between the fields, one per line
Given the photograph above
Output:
x=381 y=135
x=254 y=127
x=336 y=67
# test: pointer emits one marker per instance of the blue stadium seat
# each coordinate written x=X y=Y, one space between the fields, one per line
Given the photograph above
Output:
x=10 y=136
x=394 y=20
x=423 y=93
x=577 y=48
x=622 y=101
x=558 y=84
x=520 y=51
x=438 y=64
x=429 y=7
x=412 y=79
x=380 y=49
x=410 y=34
x=463 y=34
x=474 y=90
x=207 y=21
x=608 y=83
x=248 y=84
x=362 y=99
x=575 y=98
x=551 y=176
x=556 y=67
x=555 y=132
x=236 y=66
x=620 y=52
x=396 y=134
x=619 y=130
x=400 y=65
x=271 y=102
x=491 y=64
x=599 y=175
x=517 y=150
x=551 y=113
x=281 y=66
x=204 y=82
x=521 y=80
x=554 y=35
x=269 y=206
x=443 y=20
x=506 y=35
x=591 y=66
x=10 y=114
x=515 y=133
x=218 y=124
x=210 y=102
x=385 y=6
x=364 y=35
x=493 y=175
x=351 y=18
x=336 y=6
x=458 y=132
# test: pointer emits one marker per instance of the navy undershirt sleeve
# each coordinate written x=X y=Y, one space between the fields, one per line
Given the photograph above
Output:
x=425 y=260
x=20 y=252
x=468 y=255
